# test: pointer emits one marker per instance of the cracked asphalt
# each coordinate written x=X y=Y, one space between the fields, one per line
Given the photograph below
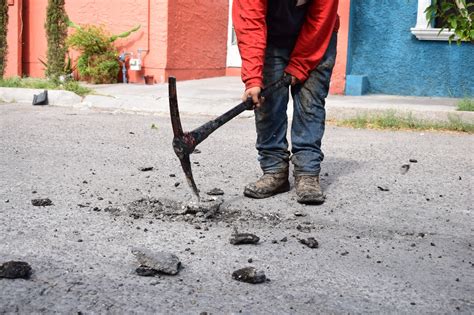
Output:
x=405 y=247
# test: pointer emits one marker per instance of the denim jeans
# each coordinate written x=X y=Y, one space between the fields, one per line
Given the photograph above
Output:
x=309 y=115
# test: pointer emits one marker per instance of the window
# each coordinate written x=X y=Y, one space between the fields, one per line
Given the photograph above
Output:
x=422 y=30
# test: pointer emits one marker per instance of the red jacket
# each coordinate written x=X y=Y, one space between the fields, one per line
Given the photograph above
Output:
x=249 y=17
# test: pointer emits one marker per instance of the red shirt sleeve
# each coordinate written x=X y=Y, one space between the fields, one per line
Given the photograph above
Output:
x=251 y=29
x=313 y=40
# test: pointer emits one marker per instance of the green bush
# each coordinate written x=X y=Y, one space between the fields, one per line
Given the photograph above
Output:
x=456 y=16
x=56 y=26
x=3 y=35
x=98 y=62
x=466 y=104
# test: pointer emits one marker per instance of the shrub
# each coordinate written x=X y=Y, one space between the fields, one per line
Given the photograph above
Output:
x=56 y=26
x=98 y=62
x=3 y=35
x=456 y=16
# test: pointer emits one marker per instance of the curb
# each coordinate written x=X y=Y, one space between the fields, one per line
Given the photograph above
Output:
x=55 y=97
x=336 y=108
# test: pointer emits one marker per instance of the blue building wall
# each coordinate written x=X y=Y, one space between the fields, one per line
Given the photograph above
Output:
x=382 y=47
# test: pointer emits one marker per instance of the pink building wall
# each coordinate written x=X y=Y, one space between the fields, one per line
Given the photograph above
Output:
x=152 y=36
x=182 y=37
x=197 y=38
x=338 y=80
x=13 y=67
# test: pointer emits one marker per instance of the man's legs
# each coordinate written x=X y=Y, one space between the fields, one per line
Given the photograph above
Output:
x=271 y=124
x=308 y=125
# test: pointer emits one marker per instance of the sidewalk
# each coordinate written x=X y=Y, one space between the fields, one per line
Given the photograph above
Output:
x=214 y=96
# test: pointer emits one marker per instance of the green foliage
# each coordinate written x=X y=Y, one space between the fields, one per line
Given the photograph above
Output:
x=3 y=35
x=56 y=26
x=98 y=62
x=76 y=87
x=45 y=84
x=466 y=105
x=397 y=121
x=456 y=16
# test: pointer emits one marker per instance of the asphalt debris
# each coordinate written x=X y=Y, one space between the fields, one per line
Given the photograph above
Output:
x=249 y=275
x=15 y=270
x=112 y=210
x=311 y=242
x=304 y=228
x=145 y=271
x=243 y=238
x=145 y=168
x=163 y=208
x=404 y=169
x=41 y=202
x=215 y=192
x=156 y=262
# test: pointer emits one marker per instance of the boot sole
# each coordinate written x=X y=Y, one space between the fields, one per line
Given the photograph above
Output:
x=312 y=201
x=282 y=189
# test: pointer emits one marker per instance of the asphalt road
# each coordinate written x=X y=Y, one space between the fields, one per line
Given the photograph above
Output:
x=405 y=250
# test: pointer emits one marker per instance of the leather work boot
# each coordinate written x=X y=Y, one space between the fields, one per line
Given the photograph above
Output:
x=308 y=190
x=268 y=185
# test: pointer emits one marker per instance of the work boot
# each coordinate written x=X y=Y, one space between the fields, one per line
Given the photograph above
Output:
x=268 y=185
x=308 y=190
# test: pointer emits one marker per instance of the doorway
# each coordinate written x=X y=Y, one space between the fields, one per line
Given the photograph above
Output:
x=233 y=56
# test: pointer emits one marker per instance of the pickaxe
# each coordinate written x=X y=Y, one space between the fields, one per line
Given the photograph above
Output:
x=184 y=143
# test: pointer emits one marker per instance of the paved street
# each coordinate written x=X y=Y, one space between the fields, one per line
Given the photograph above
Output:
x=388 y=242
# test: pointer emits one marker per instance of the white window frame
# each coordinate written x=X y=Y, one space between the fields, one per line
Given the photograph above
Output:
x=423 y=30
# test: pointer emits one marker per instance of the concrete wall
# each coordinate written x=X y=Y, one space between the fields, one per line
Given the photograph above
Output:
x=197 y=38
x=121 y=16
x=338 y=79
x=34 y=37
x=383 y=48
x=183 y=38
x=13 y=67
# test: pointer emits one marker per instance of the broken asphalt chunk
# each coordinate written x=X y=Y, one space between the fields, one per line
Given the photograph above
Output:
x=15 y=270
x=145 y=169
x=41 y=99
x=41 y=202
x=243 y=238
x=145 y=271
x=249 y=275
x=311 y=242
x=215 y=192
x=162 y=262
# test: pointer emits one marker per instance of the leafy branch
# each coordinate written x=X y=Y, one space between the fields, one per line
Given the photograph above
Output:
x=453 y=15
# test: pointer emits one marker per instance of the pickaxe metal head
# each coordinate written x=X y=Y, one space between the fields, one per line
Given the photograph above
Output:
x=183 y=143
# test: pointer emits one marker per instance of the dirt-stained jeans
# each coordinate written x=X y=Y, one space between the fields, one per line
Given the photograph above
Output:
x=309 y=115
